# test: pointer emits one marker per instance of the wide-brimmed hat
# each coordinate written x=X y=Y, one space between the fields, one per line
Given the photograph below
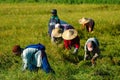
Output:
x=57 y=32
x=69 y=34
x=89 y=46
x=84 y=20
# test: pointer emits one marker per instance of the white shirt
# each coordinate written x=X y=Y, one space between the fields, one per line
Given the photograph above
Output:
x=31 y=56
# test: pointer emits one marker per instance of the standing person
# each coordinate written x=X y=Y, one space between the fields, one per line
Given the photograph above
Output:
x=71 y=40
x=53 y=20
x=88 y=23
x=92 y=50
x=34 y=57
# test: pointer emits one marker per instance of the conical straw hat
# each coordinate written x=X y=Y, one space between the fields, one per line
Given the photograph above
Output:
x=84 y=20
x=57 y=32
x=69 y=34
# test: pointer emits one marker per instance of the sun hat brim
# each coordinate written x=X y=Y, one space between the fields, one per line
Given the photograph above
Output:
x=84 y=20
x=57 y=32
x=67 y=34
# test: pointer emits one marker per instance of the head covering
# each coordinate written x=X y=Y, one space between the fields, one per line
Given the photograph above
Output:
x=57 y=32
x=54 y=11
x=57 y=25
x=84 y=20
x=90 y=46
x=16 y=49
x=69 y=34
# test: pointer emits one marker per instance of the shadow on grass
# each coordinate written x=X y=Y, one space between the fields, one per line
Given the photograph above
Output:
x=73 y=58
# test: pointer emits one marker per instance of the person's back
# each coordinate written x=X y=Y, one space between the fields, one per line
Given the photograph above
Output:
x=33 y=56
x=66 y=27
x=71 y=39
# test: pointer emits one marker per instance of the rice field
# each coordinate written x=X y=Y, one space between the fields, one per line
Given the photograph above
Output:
x=27 y=23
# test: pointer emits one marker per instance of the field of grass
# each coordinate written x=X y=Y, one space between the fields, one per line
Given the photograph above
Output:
x=27 y=24
x=64 y=1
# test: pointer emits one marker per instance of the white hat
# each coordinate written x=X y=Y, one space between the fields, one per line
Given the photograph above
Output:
x=84 y=20
x=69 y=34
x=89 y=46
x=57 y=25
x=57 y=32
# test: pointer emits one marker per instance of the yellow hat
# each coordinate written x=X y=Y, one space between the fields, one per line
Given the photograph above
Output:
x=84 y=20
x=57 y=32
x=69 y=34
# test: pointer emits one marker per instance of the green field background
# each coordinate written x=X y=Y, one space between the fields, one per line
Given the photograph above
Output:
x=64 y=1
x=27 y=23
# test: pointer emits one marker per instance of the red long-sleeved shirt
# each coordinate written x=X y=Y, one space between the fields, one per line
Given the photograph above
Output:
x=68 y=44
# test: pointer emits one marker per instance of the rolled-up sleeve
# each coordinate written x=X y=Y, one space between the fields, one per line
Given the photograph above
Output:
x=38 y=57
x=25 y=60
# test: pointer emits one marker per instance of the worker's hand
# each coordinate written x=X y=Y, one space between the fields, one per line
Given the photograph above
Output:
x=93 y=62
x=75 y=51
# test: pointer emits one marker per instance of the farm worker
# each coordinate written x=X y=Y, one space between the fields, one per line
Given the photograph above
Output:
x=92 y=50
x=56 y=35
x=71 y=40
x=88 y=23
x=53 y=20
x=34 y=57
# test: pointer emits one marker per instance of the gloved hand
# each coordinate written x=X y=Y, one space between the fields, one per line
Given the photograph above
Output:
x=75 y=51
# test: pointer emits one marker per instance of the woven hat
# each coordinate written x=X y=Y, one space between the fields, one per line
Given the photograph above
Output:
x=84 y=20
x=69 y=34
x=57 y=32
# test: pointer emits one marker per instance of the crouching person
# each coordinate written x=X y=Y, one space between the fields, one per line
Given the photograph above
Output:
x=34 y=57
x=88 y=23
x=92 y=50
x=71 y=40
x=56 y=35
